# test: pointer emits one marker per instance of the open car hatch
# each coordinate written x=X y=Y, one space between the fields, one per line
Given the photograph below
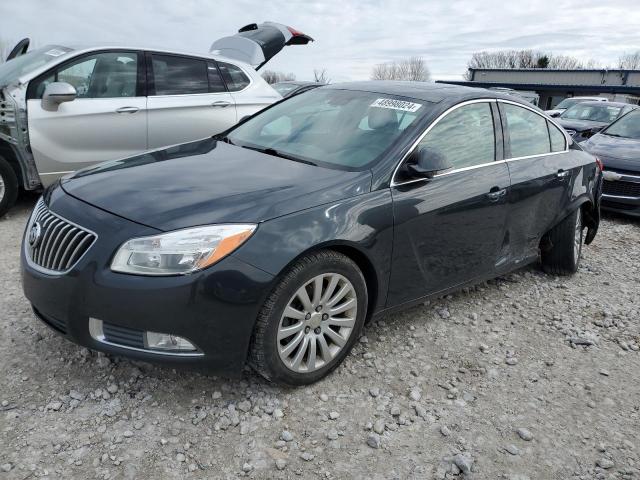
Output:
x=256 y=44
x=20 y=49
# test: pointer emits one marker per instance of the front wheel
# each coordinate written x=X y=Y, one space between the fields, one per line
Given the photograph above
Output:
x=8 y=186
x=566 y=238
x=311 y=320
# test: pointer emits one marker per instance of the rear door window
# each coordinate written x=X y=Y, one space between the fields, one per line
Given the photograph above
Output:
x=176 y=75
x=216 y=84
x=527 y=131
x=234 y=77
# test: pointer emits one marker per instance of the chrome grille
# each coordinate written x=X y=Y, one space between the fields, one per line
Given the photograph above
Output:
x=53 y=243
x=621 y=189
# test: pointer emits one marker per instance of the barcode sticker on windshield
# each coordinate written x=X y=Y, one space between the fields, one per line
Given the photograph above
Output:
x=396 y=104
x=55 y=52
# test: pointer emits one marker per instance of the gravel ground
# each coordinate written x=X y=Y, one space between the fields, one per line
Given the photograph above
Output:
x=525 y=377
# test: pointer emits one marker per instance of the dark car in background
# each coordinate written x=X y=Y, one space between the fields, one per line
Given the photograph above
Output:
x=585 y=119
x=618 y=147
x=570 y=102
x=290 y=88
x=274 y=242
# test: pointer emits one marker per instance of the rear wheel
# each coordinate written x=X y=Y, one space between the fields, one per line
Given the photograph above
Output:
x=563 y=257
x=8 y=186
x=310 y=322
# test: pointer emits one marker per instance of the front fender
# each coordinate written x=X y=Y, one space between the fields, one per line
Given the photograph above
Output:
x=364 y=223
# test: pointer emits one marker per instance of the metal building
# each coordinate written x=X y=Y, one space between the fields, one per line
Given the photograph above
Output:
x=555 y=85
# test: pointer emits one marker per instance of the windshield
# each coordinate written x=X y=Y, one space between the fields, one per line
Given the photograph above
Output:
x=627 y=127
x=340 y=128
x=14 y=69
x=570 y=102
x=594 y=113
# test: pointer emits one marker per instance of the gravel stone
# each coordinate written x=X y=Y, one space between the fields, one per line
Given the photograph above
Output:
x=286 y=435
x=374 y=441
x=577 y=398
x=524 y=434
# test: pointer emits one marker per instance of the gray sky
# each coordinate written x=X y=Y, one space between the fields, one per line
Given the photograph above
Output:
x=351 y=35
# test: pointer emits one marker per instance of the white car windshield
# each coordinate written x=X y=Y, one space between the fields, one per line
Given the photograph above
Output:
x=336 y=128
x=19 y=66
x=593 y=113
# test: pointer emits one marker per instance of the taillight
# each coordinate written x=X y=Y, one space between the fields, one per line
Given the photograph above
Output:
x=600 y=164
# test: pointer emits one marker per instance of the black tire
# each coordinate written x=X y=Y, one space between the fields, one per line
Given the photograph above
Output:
x=8 y=186
x=264 y=356
x=563 y=255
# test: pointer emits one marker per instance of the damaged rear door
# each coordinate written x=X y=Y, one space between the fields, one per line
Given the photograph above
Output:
x=256 y=44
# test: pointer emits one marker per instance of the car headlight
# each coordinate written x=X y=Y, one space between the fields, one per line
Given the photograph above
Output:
x=180 y=252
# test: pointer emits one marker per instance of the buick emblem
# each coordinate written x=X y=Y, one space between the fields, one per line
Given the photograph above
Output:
x=35 y=233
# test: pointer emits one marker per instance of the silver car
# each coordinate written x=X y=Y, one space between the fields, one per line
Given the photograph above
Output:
x=63 y=108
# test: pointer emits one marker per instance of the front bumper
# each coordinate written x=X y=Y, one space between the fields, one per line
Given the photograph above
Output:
x=214 y=309
x=621 y=193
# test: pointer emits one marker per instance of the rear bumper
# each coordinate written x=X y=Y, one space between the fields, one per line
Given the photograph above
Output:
x=214 y=309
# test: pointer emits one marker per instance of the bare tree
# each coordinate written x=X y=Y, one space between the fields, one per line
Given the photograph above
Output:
x=271 y=76
x=320 y=76
x=629 y=61
x=412 y=69
x=523 y=59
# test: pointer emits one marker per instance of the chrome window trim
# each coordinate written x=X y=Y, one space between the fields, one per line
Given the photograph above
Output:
x=97 y=333
x=473 y=167
x=27 y=253
x=426 y=132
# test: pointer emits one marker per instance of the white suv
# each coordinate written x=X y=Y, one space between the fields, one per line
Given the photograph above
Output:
x=65 y=108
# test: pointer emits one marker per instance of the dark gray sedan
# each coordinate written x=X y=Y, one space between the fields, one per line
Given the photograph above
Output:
x=585 y=119
x=274 y=243
x=618 y=146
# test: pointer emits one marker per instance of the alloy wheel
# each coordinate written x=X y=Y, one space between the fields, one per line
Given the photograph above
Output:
x=317 y=322
x=2 y=188
x=577 y=237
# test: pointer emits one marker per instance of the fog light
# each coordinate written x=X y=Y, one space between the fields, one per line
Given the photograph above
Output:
x=164 y=341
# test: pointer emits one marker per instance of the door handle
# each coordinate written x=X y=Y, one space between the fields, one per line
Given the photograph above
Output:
x=496 y=194
x=220 y=104
x=562 y=174
x=127 y=110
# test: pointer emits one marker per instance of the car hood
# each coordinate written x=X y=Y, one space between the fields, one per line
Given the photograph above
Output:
x=208 y=182
x=581 y=125
x=615 y=152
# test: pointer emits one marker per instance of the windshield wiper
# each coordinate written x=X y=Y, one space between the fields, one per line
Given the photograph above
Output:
x=276 y=153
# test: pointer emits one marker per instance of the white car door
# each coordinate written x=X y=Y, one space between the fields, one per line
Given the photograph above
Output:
x=107 y=120
x=187 y=100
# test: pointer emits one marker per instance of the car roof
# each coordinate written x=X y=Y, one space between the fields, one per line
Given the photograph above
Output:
x=79 y=49
x=426 y=91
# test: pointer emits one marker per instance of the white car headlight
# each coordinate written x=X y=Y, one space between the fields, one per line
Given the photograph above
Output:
x=180 y=252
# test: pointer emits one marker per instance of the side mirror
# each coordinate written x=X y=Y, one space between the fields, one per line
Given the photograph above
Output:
x=56 y=93
x=427 y=162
